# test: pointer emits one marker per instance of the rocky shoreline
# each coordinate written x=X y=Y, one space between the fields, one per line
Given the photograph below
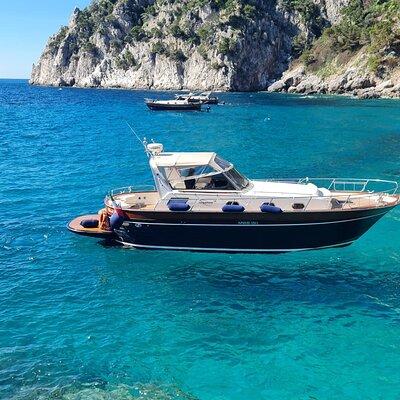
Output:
x=359 y=88
x=352 y=82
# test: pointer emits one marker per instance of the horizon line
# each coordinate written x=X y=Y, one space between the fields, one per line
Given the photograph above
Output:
x=13 y=79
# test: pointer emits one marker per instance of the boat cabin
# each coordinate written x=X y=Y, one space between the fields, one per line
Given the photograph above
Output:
x=195 y=172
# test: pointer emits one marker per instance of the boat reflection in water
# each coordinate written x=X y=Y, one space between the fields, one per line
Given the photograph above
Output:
x=202 y=203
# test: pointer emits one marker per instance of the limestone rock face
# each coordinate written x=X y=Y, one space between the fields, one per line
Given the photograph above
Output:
x=352 y=79
x=333 y=9
x=176 y=45
x=358 y=56
x=236 y=45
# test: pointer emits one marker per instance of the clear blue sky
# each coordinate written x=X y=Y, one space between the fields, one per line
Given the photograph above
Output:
x=25 y=26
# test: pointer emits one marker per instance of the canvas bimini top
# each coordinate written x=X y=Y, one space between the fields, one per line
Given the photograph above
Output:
x=207 y=172
x=183 y=159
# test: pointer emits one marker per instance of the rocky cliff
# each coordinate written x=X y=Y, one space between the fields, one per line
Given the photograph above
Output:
x=193 y=44
x=308 y=45
x=358 y=55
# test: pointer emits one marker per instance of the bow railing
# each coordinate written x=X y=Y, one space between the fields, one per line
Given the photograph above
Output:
x=344 y=184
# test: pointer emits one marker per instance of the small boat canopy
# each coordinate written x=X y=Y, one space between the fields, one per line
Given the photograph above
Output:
x=183 y=159
x=194 y=171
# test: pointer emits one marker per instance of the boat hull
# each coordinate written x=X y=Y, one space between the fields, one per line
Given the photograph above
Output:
x=268 y=234
x=174 y=107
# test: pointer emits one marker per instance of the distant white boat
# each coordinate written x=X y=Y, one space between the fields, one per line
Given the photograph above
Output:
x=203 y=98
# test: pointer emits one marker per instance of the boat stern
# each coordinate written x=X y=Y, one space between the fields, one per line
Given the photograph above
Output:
x=88 y=225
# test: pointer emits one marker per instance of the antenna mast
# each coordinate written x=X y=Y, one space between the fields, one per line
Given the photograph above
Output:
x=142 y=142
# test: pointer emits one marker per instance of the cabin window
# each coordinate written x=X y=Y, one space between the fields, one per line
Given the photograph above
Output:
x=197 y=170
x=240 y=181
x=214 y=182
x=298 y=206
x=222 y=163
x=236 y=177
x=172 y=176
x=203 y=177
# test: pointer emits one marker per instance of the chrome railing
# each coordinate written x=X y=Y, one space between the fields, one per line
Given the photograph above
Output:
x=316 y=203
x=347 y=192
x=344 y=184
x=132 y=189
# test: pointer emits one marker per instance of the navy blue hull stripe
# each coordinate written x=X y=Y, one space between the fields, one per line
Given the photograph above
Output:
x=254 y=224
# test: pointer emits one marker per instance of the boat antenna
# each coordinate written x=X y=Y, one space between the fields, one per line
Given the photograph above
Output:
x=143 y=141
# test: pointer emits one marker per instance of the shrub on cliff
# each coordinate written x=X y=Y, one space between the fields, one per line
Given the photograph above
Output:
x=137 y=33
x=89 y=48
x=310 y=13
x=59 y=37
x=126 y=61
x=177 y=32
x=226 y=46
x=249 y=11
x=177 y=55
x=158 y=48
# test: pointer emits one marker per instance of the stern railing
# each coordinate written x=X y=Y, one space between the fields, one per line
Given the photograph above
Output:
x=132 y=189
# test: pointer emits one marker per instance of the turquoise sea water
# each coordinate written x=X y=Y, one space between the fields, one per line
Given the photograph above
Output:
x=82 y=321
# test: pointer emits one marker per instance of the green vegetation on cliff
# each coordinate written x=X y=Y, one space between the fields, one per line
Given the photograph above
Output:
x=309 y=12
x=372 y=27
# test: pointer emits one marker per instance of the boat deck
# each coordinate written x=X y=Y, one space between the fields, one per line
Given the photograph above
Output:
x=346 y=201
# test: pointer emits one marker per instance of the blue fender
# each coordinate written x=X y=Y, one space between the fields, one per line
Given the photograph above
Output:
x=116 y=220
x=232 y=208
x=270 y=208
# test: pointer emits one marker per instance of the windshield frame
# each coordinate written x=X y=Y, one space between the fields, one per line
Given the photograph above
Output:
x=240 y=185
x=238 y=181
x=227 y=173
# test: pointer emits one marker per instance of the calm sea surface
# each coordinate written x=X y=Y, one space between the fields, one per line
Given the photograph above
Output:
x=82 y=321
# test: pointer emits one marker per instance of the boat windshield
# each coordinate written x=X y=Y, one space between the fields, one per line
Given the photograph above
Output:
x=222 y=163
x=235 y=176
x=220 y=175
x=239 y=180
